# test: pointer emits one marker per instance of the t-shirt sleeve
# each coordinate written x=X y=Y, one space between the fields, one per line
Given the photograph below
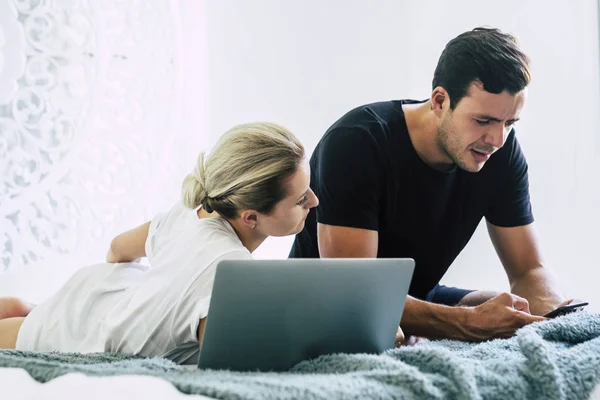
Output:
x=511 y=205
x=447 y=295
x=348 y=179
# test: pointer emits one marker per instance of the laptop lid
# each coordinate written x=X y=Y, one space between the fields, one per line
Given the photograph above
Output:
x=268 y=315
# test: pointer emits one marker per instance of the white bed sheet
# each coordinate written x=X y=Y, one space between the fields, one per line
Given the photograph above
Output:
x=596 y=393
x=17 y=384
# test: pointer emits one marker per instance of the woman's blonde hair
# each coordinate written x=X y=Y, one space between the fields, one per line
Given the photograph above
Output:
x=245 y=170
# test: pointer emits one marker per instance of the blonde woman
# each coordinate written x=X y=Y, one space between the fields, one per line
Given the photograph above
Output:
x=254 y=184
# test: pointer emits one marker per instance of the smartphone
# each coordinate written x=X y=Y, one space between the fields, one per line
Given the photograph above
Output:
x=565 y=310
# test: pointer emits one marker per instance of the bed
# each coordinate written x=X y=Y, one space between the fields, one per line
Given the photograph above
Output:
x=555 y=359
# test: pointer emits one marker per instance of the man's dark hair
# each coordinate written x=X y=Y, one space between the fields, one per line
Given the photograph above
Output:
x=482 y=55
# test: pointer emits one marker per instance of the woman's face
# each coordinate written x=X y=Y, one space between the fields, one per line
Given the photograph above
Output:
x=289 y=214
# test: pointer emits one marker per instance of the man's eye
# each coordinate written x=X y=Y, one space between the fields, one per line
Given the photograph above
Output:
x=483 y=121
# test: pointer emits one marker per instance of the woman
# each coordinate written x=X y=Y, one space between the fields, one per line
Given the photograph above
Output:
x=254 y=184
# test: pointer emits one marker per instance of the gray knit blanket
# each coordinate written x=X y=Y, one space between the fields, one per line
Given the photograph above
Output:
x=556 y=359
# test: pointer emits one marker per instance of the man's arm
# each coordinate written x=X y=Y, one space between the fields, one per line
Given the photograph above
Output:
x=129 y=246
x=346 y=242
x=419 y=317
x=499 y=317
x=518 y=250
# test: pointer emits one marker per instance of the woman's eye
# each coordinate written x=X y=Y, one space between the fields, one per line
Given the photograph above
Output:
x=302 y=201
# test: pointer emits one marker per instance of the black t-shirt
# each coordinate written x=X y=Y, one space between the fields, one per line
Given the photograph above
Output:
x=368 y=175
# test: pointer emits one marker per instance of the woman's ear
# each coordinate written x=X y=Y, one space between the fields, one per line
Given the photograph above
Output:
x=250 y=218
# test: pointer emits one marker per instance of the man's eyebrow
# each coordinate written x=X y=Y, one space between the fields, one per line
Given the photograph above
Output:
x=489 y=117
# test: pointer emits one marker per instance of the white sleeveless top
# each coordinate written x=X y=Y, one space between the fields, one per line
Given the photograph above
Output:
x=133 y=309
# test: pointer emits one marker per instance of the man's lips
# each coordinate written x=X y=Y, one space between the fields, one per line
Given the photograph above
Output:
x=480 y=156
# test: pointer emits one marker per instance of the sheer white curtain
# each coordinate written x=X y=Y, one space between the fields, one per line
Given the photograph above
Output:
x=92 y=96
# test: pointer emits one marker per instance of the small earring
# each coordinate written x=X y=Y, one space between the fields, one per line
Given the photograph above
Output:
x=254 y=226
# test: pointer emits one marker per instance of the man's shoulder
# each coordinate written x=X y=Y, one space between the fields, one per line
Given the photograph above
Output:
x=373 y=133
x=364 y=115
x=368 y=123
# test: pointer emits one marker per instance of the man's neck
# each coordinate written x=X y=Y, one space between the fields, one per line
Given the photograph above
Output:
x=422 y=126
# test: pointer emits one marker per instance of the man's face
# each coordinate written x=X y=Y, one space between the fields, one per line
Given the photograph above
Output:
x=478 y=126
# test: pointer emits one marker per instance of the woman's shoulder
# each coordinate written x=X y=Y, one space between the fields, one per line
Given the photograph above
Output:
x=199 y=242
x=180 y=230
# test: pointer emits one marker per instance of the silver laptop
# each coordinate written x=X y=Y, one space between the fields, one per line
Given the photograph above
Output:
x=268 y=315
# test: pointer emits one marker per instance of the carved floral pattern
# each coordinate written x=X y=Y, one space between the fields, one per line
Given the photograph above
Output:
x=88 y=97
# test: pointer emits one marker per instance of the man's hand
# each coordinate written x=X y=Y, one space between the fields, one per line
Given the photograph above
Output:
x=407 y=341
x=499 y=317
x=554 y=313
x=571 y=301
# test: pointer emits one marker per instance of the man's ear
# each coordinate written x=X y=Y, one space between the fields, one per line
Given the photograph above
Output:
x=439 y=101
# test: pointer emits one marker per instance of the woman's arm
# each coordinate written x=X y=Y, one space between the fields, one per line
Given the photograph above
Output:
x=129 y=246
x=201 y=328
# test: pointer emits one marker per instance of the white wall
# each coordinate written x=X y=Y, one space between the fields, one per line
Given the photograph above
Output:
x=303 y=64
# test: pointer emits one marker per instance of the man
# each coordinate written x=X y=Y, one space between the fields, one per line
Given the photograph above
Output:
x=414 y=179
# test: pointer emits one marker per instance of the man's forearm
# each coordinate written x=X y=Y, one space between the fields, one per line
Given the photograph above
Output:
x=539 y=287
x=430 y=320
